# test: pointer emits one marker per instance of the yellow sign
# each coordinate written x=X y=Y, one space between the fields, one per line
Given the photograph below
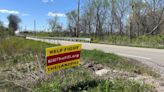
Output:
x=61 y=66
x=62 y=57
x=62 y=49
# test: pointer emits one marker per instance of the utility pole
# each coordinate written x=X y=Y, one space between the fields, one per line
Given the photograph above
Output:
x=78 y=24
x=35 y=27
x=25 y=28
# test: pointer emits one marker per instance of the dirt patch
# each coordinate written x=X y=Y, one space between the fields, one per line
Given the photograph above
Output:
x=105 y=72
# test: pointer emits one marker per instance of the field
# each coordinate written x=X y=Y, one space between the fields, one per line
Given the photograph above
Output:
x=22 y=69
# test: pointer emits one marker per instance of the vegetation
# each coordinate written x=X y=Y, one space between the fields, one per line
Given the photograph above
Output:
x=88 y=84
x=115 y=62
x=15 y=51
x=120 y=85
x=131 y=18
x=146 y=41
x=120 y=22
x=149 y=41
x=3 y=31
x=54 y=26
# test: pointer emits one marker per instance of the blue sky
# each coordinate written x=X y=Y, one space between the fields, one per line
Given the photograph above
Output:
x=39 y=10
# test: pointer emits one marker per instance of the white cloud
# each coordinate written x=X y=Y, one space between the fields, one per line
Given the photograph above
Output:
x=52 y=14
x=24 y=14
x=5 y=11
x=46 y=1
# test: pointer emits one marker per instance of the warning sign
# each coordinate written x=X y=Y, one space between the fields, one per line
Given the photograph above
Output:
x=62 y=57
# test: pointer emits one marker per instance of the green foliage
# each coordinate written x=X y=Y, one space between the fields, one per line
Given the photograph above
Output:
x=43 y=34
x=120 y=85
x=156 y=41
x=3 y=32
x=150 y=41
x=99 y=56
x=96 y=85
x=15 y=50
x=64 y=81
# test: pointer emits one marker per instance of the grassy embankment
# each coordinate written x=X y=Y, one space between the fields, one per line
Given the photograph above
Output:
x=14 y=51
x=150 y=41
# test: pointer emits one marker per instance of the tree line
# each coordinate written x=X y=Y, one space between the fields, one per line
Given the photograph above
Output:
x=132 y=18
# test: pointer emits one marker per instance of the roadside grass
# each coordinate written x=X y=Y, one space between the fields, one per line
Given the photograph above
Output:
x=64 y=79
x=115 y=62
x=16 y=50
x=79 y=80
x=150 y=41
x=120 y=85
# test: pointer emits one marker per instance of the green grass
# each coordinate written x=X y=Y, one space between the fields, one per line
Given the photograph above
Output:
x=115 y=62
x=150 y=41
x=64 y=79
x=16 y=50
x=81 y=81
x=120 y=85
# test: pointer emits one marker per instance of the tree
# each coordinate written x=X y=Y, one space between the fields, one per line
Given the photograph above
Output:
x=100 y=17
x=87 y=18
x=108 y=17
x=122 y=7
x=113 y=13
x=1 y=27
x=155 y=15
x=146 y=16
x=72 y=22
x=14 y=21
x=54 y=25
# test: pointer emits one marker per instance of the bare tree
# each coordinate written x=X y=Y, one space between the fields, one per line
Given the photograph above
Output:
x=121 y=10
x=54 y=25
x=105 y=17
x=155 y=15
x=72 y=22
x=87 y=18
